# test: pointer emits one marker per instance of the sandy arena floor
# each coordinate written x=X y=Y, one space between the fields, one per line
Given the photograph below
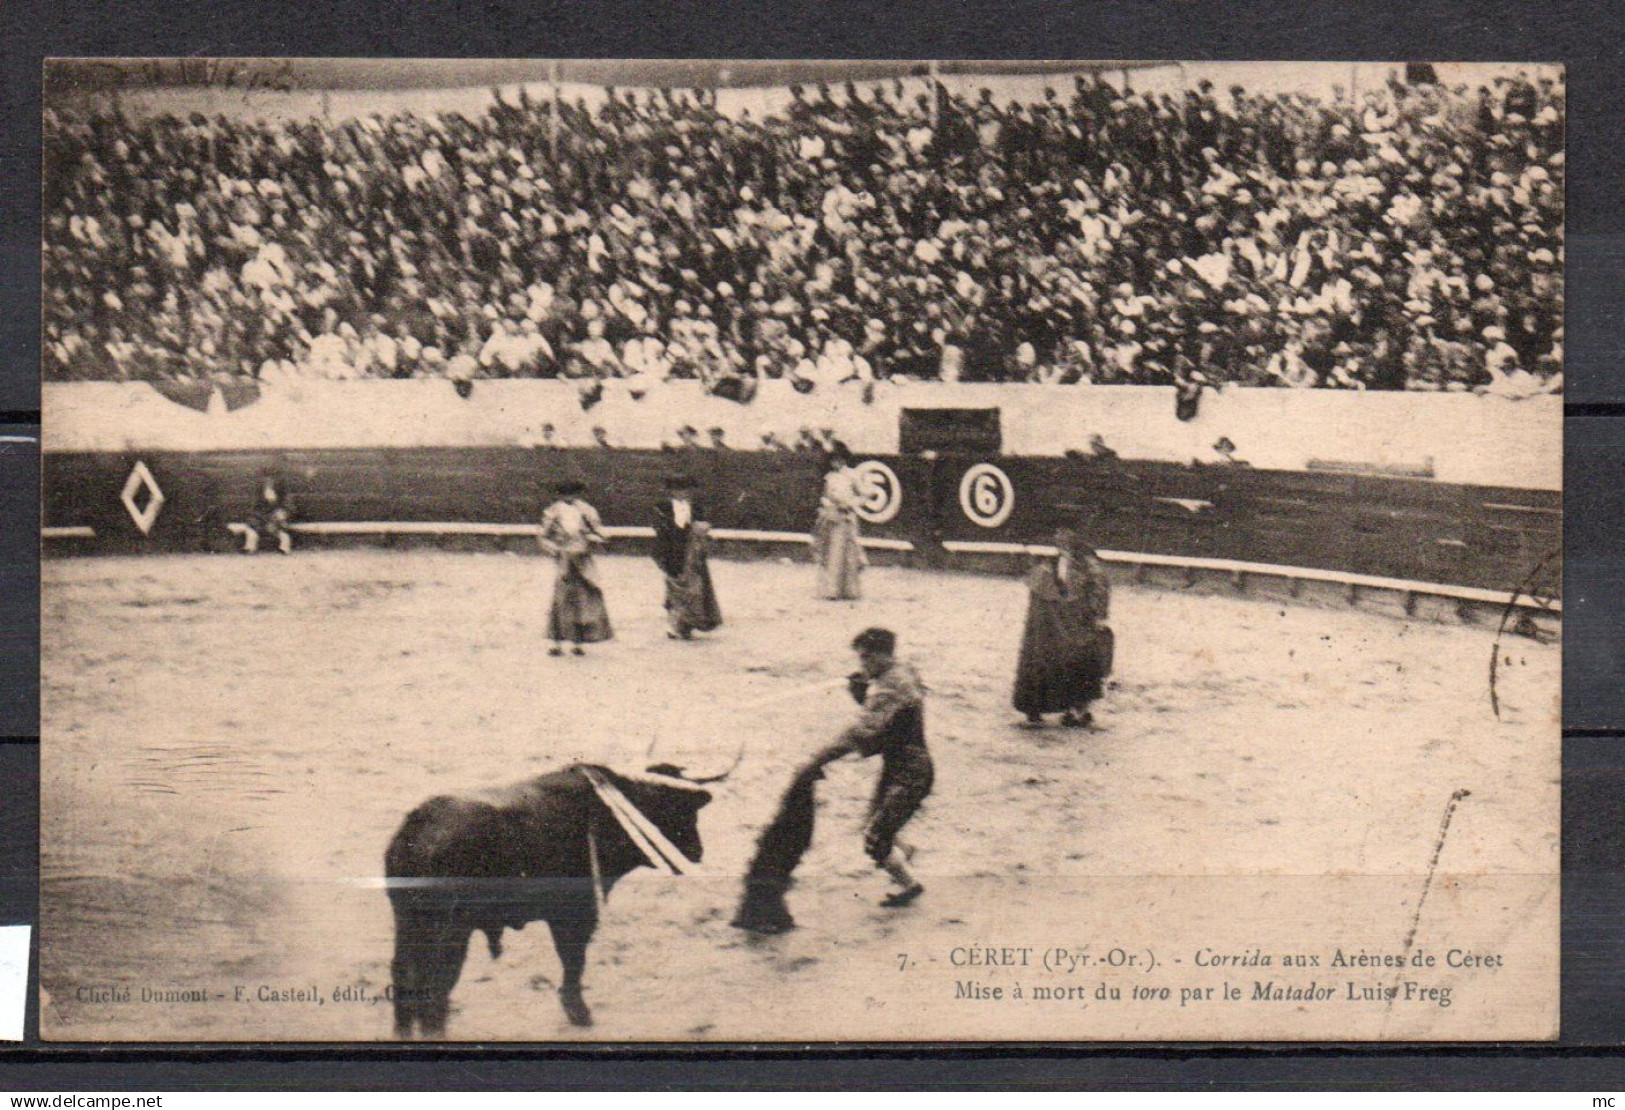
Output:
x=230 y=743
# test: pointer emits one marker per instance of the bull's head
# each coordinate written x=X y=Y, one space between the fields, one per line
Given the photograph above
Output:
x=672 y=800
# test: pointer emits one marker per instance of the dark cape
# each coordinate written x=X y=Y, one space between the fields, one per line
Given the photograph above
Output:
x=778 y=851
x=1066 y=647
x=683 y=555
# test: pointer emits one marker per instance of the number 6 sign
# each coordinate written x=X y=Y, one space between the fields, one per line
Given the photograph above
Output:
x=986 y=495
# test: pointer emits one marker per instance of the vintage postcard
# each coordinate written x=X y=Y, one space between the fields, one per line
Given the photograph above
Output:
x=720 y=551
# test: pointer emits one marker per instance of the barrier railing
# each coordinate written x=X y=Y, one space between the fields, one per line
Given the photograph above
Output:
x=1237 y=570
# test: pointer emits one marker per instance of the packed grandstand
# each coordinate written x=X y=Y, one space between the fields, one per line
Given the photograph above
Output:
x=1408 y=236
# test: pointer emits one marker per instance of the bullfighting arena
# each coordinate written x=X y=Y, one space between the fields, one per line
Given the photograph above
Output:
x=231 y=742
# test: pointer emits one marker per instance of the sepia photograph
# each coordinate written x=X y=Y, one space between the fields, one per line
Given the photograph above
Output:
x=800 y=551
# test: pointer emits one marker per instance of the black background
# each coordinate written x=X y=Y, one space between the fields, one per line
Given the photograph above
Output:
x=1587 y=37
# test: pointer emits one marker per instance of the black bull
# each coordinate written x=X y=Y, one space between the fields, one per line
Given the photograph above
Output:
x=501 y=860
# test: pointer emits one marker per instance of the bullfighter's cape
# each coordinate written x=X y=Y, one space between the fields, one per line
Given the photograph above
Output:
x=1066 y=647
x=690 y=596
x=778 y=851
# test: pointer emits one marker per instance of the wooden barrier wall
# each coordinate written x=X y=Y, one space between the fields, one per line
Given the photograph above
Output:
x=1467 y=535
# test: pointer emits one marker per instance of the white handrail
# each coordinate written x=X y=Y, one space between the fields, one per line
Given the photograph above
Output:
x=1273 y=570
x=882 y=543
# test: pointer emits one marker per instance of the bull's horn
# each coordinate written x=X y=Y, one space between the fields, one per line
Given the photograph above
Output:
x=739 y=757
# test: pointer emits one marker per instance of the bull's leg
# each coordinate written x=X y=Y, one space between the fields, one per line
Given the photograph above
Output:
x=432 y=1017
x=442 y=970
x=429 y=953
x=405 y=982
x=570 y=937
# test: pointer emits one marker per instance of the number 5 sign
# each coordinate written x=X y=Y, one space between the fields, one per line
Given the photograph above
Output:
x=882 y=492
x=986 y=495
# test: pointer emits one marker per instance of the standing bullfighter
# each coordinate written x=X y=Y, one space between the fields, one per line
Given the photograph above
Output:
x=1066 y=645
x=681 y=549
x=571 y=532
x=837 y=546
x=892 y=726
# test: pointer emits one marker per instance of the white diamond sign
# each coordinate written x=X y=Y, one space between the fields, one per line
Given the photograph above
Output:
x=141 y=479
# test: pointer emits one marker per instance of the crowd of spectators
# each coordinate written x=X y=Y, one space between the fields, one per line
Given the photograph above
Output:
x=1409 y=236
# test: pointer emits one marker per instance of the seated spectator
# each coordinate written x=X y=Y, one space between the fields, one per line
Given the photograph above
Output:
x=461 y=370
x=646 y=365
x=1269 y=239
x=594 y=356
x=269 y=519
